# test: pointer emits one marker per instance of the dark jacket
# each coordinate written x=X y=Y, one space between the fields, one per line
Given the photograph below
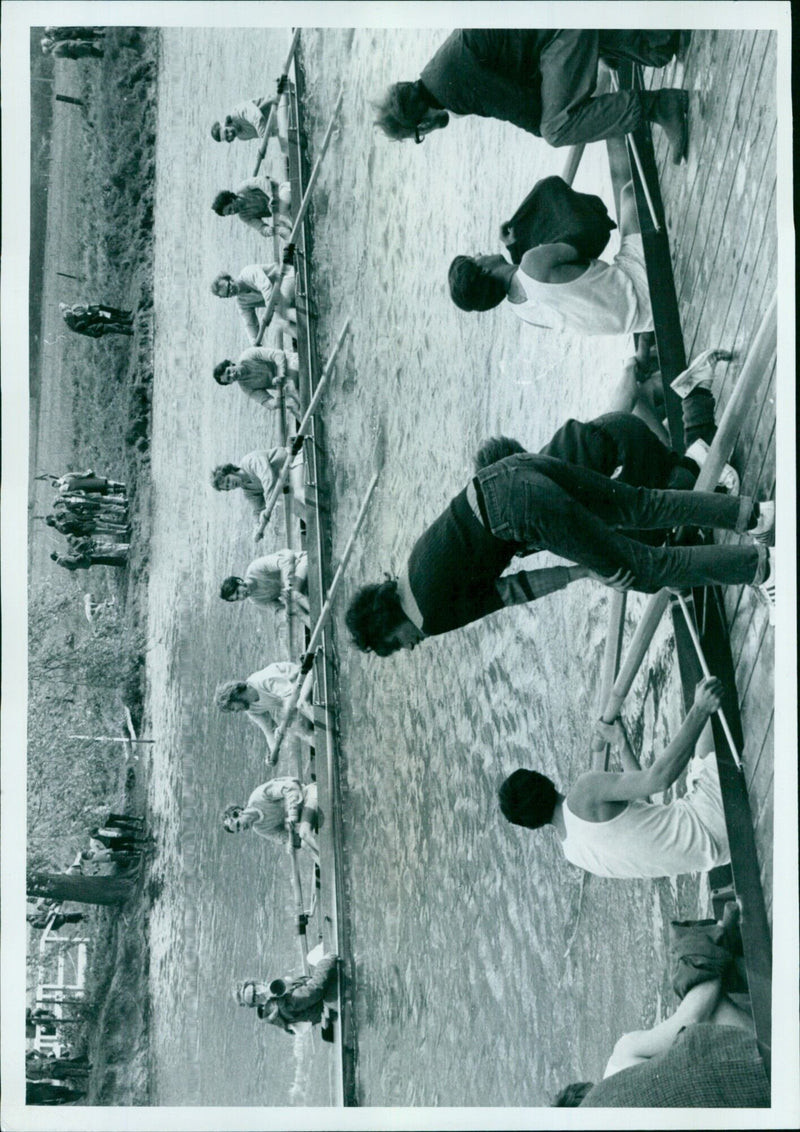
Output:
x=553 y=213
x=302 y=1000
x=492 y=72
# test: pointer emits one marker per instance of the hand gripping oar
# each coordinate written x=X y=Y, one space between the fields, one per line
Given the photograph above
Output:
x=707 y=672
x=307 y=661
x=740 y=401
x=297 y=443
x=288 y=255
x=274 y=108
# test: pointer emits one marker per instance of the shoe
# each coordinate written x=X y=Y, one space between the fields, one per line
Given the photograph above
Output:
x=700 y=374
x=764 y=530
x=728 y=477
x=767 y=588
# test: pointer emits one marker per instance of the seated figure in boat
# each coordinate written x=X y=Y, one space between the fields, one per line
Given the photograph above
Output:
x=630 y=443
x=276 y=807
x=605 y=821
x=262 y=372
x=290 y=1001
x=264 y=696
x=247 y=121
x=255 y=475
x=524 y=503
x=252 y=288
x=276 y=581
x=259 y=202
x=542 y=80
x=705 y=1054
x=556 y=286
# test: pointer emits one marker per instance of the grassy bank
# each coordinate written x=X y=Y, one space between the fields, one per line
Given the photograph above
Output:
x=82 y=676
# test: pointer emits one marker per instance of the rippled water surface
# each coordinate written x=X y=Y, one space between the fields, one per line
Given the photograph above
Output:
x=483 y=975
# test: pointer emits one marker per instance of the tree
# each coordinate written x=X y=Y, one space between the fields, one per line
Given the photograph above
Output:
x=85 y=890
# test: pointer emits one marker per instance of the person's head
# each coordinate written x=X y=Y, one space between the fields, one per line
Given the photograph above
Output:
x=226 y=477
x=224 y=286
x=234 y=589
x=250 y=992
x=528 y=798
x=231 y=696
x=572 y=1095
x=216 y=131
x=225 y=203
x=229 y=131
x=47 y=44
x=473 y=286
x=377 y=622
x=225 y=372
x=404 y=111
x=237 y=818
x=494 y=449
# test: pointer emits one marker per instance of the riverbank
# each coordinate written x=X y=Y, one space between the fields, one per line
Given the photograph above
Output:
x=90 y=407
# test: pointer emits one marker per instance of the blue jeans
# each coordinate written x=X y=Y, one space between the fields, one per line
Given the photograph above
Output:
x=538 y=501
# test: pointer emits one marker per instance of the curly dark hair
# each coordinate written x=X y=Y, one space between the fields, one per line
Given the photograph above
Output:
x=373 y=614
x=528 y=798
x=227 y=591
x=494 y=449
x=572 y=1095
x=222 y=200
x=219 y=369
x=472 y=288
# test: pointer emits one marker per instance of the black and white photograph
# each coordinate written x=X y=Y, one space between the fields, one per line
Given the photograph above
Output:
x=399 y=566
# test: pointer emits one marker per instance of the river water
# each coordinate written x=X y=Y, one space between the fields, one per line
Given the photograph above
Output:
x=484 y=973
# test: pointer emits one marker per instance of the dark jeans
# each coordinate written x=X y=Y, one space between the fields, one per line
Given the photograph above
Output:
x=568 y=68
x=575 y=513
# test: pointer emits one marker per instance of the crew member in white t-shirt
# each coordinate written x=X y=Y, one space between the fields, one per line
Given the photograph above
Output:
x=606 y=822
x=555 y=288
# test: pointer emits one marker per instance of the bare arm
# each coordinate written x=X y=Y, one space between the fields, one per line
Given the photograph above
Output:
x=630 y=785
x=542 y=263
x=641 y=1045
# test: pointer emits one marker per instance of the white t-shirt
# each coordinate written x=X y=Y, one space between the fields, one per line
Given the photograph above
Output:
x=608 y=298
x=649 y=839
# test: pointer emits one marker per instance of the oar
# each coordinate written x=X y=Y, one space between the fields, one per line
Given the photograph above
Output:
x=274 y=109
x=758 y=358
x=698 y=648
x=616 y=623
x=301 y=212
x=301 y=919
x=297 y=443
x=307 y=662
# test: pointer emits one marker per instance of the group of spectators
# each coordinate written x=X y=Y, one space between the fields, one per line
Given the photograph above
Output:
x=73 y=42
x=91 y=511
